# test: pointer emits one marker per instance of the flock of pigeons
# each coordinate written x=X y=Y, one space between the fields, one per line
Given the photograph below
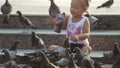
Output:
x=61 y=57
x=6 y=10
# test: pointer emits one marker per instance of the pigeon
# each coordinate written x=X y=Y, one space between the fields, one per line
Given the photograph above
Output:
x=54 y=9
x=116 y=56
x=12 y=50
x=64 y=61
x=78 y=56
x=72 y=63
x=97 y=64
x=38 y=43
x=107 y=4
x=6 y=9
x=25 y=21
x=8 y=62
x=116 y=63
x=67 y=61
x=116 y=50
x=59 y=52
x=87 y=64
x=93 y=20
x=27 y=66
x=14 y=46
x=45 y=61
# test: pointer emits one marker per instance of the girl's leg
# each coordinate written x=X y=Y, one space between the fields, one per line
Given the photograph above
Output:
x=51 y=48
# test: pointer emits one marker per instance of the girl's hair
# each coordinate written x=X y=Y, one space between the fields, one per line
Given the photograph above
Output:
x=86 y=2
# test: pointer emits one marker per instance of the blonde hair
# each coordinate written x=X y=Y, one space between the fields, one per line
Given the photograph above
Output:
x=87 y=2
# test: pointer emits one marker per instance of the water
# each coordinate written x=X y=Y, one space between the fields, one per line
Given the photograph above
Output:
x=41 y=6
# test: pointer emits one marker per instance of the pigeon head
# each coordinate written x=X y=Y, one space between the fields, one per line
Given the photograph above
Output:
x=17 y=41
x=77 y=50
x=33 y=33
x=4 y=51
x=19 y=12
x=14 y=46
x=66 y=43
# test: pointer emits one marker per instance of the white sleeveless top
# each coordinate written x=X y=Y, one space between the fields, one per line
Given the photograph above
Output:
x=76 y=28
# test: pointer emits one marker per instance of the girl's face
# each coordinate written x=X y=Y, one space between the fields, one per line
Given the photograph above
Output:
x=77 y=8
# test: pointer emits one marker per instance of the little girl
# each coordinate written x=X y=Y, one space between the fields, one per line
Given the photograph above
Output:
x=78 y=28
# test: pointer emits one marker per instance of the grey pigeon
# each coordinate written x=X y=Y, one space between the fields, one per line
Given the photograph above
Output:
x=6 y=9
x=25 y=21
x=27 y=66
x=54 y=9
x=92 y=19
x=72 y=63
x=64 y=61
x=45 y=61
x=8 y=62
x=78 y=56
x=38 y=43
x=13 y=49
x=60 y=51
x=87 y=64
x=14 y=46
x=107 y=4
x=116 y=50
x=67 y=61
x=116 y=56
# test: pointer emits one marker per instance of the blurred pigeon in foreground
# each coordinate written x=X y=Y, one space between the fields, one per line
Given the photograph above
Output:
x=6 y=9
x=45 y=61
x=27 y=66
x=107 y=4
x=59 y=52
x=8 y=62
x=87 y=64
x=78 y=56
x=62 y=48
x=64 y=61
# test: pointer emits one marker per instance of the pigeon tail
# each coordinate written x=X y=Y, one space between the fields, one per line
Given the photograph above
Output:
x=99 y=7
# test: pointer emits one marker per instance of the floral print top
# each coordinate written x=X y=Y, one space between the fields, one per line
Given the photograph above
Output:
x=76 y=28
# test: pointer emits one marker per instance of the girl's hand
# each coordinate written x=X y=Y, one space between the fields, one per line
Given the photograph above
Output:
x=75 y=38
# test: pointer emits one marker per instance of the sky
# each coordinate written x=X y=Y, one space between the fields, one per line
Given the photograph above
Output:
x=40 y=7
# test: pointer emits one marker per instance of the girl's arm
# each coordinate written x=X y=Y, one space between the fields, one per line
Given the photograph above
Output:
x=86 y=30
